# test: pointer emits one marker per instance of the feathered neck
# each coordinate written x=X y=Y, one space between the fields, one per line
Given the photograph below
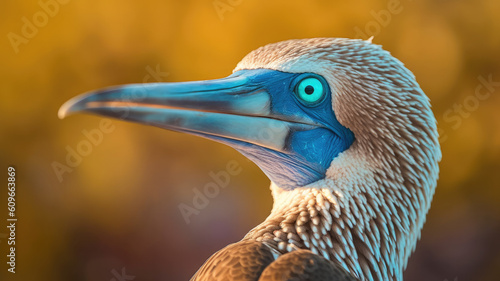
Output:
x=348 y=219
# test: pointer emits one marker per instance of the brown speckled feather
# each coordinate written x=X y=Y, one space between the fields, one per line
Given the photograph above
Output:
x=242 y=261
x=254 y=261
x=304 y=265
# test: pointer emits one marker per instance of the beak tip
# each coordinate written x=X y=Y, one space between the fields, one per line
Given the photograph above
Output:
x=71 y=106
x=62 y=113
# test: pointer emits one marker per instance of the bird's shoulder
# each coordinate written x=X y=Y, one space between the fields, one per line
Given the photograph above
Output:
x=304 y=265
x=242 y=261
x=250 y=260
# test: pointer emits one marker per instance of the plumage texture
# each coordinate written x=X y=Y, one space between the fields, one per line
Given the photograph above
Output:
x=306 y=266
x=367 y=213
x=242 y=261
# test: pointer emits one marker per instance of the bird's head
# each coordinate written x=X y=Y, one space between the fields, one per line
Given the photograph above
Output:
x=292 y=107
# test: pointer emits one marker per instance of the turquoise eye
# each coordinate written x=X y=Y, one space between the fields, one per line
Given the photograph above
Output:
x=310 y=91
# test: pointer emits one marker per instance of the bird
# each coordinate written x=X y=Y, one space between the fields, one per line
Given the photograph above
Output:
x=343 y=131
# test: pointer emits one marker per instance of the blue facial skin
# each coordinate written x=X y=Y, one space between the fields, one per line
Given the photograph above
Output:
x=308 y=153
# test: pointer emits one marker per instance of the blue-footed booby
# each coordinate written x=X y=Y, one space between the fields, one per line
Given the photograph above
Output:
x=343 y=131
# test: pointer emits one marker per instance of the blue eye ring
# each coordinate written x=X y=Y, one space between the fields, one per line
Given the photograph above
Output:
x=310 y=89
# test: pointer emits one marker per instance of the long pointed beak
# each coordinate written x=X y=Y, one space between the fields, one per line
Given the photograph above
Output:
x=232 y=108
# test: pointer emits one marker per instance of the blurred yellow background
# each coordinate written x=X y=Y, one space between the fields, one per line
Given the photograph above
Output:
x=117 y=209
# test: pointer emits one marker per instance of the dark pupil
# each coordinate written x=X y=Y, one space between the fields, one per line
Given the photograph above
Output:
x=309 y=89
